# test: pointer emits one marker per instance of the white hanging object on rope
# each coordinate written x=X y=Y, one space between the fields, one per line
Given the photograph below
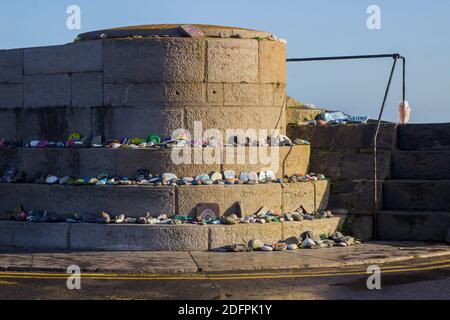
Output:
x=404 y=112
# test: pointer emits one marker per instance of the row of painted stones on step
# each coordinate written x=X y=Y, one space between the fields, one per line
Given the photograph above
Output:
x=144 y=177
x=206 y=214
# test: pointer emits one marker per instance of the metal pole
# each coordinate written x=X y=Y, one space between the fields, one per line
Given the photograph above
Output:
x=375 y=206
x=404 y=78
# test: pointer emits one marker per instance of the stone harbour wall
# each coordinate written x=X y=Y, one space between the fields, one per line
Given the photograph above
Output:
x=345 y=155
x=137 y=87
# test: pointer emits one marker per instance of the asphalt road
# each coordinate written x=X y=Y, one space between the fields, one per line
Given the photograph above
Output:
x=413 y=280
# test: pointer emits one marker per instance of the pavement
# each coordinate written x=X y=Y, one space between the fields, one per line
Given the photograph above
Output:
x=416 y=271
x=194 y=262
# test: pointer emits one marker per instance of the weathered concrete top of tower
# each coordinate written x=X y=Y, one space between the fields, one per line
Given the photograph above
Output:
x=174 y=30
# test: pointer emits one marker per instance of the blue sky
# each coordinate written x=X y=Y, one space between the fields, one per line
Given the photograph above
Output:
x=418 y=29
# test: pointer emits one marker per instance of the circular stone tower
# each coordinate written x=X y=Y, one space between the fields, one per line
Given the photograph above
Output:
x=171 y=76
x=150 y=80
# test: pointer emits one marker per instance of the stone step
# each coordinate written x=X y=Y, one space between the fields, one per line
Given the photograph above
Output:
x=431 y=195
x=413 y=225
x=136 y=201
x=421 y=165
x=424 y=136
x=127 y=237
x=90 y=162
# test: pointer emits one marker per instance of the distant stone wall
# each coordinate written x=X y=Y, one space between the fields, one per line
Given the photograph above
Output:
x=299 y=115
x=137 y=87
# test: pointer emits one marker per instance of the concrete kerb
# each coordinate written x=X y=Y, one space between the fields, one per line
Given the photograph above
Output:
x=114 y=237
x=139 y=237
x=209 y=263
x=39 y=236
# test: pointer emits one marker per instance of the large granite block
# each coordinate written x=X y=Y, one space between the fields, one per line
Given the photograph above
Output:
x=11 y=96
x=232 y=60
x=47 y=91
x=154 y=60
x=135 y=122
x=87 y=89
x=85 y=56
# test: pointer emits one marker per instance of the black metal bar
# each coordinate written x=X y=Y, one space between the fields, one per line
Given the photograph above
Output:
x=369 y=56
x=375 y=205
x=387 y=89
x=404 y=78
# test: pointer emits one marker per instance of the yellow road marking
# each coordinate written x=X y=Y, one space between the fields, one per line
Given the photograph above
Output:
x=8 y=283
x=392 y=269
x=190 y=276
